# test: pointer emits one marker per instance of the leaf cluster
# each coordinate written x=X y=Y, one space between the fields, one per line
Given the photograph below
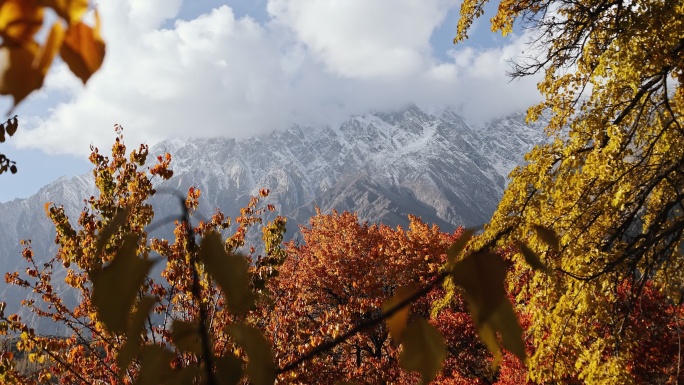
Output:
x=26 y=62
x=8 y=128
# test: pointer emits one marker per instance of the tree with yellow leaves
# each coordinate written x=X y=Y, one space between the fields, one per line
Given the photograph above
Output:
x=602 y=203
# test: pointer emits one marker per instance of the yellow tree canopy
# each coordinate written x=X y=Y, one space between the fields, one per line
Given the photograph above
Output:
x=610 y=183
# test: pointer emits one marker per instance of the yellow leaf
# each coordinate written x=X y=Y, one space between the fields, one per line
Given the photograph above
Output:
x=83 y=49
x=186 y=337
x=137 y=323
x=482 y=276
x=397 y=321
x=49 y=49
x=44 y=377
x=229 y=271
x=185 y=376
x=155 y=366
x=459 y=245
x=116 y=285
x=18 y=77
x=532 y=258
x=46 y=207
x=112 y=227
x=260 y=367
x=20 y=20
x=131 y=347
x=70 y=10
x=424 y=350
x=488 y=337
x=228 y=370
x=505 y=322
x=548 y=236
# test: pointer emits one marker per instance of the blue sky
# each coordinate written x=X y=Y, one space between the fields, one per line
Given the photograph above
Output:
x=247 y=67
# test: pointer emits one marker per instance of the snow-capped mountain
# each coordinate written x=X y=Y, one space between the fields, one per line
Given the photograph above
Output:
x=381 y=165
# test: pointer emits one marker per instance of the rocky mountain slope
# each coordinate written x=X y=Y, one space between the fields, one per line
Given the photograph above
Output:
x=381 y=165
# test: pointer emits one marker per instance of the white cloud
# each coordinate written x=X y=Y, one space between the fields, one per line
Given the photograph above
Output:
x=364 y=38
x=313 y=62
x=484 y=88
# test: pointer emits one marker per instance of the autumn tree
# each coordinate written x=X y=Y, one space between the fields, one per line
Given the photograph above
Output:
x=609 y=184
x=338 y=276
x=653 y=320
x=130 y=326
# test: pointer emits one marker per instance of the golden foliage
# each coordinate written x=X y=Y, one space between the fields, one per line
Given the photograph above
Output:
x=24 y=62
x=610 y=183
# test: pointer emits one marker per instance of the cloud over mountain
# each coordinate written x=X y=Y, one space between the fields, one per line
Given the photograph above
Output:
x=306 y=62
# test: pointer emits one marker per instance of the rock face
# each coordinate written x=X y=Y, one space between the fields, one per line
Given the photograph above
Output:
x=381 y=165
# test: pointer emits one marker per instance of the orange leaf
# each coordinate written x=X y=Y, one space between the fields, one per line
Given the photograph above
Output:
x=397 y=321
x=83 y=49
x=49 y=50
x=424 y=350
x=20 y=20
x=18 y=77
x=46 y=207
x=482 y=276
x=70 y=10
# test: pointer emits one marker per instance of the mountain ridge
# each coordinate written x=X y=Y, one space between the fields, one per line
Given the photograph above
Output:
x=384 y=166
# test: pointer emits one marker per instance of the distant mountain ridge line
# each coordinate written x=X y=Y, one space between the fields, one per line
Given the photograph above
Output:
x=383 y=166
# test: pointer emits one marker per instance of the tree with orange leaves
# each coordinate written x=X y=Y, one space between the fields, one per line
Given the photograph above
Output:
x=340 y=276
x=125 y=318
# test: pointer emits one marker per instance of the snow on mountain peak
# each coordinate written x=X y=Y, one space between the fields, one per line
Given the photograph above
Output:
x=383 y=165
